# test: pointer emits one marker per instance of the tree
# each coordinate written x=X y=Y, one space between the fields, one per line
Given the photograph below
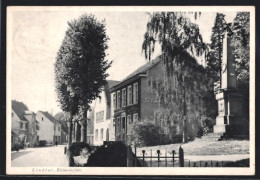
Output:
x=187 y=85
x=80 y=67
x=240 y=43
x=214 y=58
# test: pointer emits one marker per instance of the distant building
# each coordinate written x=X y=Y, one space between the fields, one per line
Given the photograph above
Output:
x=50 y=128
x=24 y=124
x=64 y=132
x=103 y=127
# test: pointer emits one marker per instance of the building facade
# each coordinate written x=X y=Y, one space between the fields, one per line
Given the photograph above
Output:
x=24 y=125
x=102 y=115
x=50 y=128
x=133 y=99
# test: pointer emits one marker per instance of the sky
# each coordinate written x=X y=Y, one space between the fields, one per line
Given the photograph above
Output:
x=36 y=35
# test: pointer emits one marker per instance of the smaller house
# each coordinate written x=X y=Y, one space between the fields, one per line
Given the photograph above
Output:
x=49 y=128
x=64 y=132
x=23 y=124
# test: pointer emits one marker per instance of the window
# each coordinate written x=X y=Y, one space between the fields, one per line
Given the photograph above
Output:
x=124 y=97
x=129 y=122
x=129 y=95
x=21 y=125
x=135 y=117
x=37 y=127
x=12 y=114
x=54 y=127
x=26 y=126
x=42 y=118
x=100 y=116
x=96 y=134
x=118 y=99
x=58 y=128
x=101 y=134
x=135 y=93
x=114 y=100
x=129 y=119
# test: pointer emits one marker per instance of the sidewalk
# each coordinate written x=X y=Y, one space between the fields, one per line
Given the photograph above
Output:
x=233 y=157
x=52 y=156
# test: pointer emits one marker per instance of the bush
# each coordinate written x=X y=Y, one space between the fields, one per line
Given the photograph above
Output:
x=42 y=143
x=146 y=134
x=17 y=146
x=113 y=154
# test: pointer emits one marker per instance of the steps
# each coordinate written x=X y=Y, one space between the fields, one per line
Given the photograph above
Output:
x=212 y=137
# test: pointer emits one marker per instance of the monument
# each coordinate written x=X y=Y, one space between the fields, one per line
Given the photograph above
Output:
x=229 y=122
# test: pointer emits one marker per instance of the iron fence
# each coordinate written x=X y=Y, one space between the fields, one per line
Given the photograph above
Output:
x=157 y=159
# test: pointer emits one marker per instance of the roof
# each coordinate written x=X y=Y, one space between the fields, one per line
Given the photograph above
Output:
x=49 y=116
x=107 y=86
x=19 y=108
x=141 y=70
x=64 y=126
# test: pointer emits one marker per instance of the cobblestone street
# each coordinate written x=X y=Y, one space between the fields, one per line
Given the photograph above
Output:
x=52 y=156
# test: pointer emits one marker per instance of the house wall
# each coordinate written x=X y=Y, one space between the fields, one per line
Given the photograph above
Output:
x=149 y=101
x=101 y=123
x=16 y=127
x=32 y=133
x=46 y=131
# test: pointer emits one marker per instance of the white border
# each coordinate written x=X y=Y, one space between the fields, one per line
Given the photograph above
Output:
x=132 y=170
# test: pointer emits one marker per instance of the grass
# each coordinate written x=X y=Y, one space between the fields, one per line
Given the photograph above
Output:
x=203 y=147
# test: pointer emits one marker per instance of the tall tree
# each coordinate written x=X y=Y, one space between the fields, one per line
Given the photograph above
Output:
x=81 y=66
x=214 y=58
x=186 y=86
x=240 y=43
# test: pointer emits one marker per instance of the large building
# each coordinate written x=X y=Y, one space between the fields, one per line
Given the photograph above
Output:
x=24 y=125
x=103 y=128
x=50 y=128
x=134 y=100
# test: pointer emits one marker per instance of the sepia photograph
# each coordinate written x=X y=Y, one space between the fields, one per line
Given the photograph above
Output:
x=130 y=90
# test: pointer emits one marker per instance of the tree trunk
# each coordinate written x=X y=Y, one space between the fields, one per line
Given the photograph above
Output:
x=70 y=131
x=78 y=134
x=84 y=129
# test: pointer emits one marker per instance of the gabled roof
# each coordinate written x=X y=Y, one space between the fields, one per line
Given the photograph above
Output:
x=64 y=126
x=108 y=85
x=19 y=108
x=140 y=70
x=49 y=116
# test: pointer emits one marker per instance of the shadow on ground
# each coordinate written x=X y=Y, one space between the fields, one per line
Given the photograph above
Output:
x=18 y=154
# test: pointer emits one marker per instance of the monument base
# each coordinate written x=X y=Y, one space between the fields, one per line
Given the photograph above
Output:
x=230 y=122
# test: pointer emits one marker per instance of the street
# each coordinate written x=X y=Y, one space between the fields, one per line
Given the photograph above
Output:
x=52 y=156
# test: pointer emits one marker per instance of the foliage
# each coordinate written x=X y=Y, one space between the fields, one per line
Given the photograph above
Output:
x=17 y=146
x=146 y=133
x=42 y=143
x=174 y=32
x=80 y=68
x=60 y=116
x=240 y=43
x=111 y=155
x=215 y=54
x=188 y=88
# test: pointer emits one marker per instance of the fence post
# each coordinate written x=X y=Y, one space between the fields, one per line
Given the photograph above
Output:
x=135 y=157
x=181 y=157
x=173 y=152
x=158 y=152
x=143 y=151
x=129 y=157
x=166 y=158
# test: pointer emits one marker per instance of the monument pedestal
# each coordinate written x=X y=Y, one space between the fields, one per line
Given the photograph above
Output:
x=229 y=122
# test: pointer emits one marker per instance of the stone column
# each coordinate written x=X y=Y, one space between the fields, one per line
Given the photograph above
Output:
x=229 y=122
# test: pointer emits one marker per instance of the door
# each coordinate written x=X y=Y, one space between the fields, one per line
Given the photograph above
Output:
x=107 y=135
